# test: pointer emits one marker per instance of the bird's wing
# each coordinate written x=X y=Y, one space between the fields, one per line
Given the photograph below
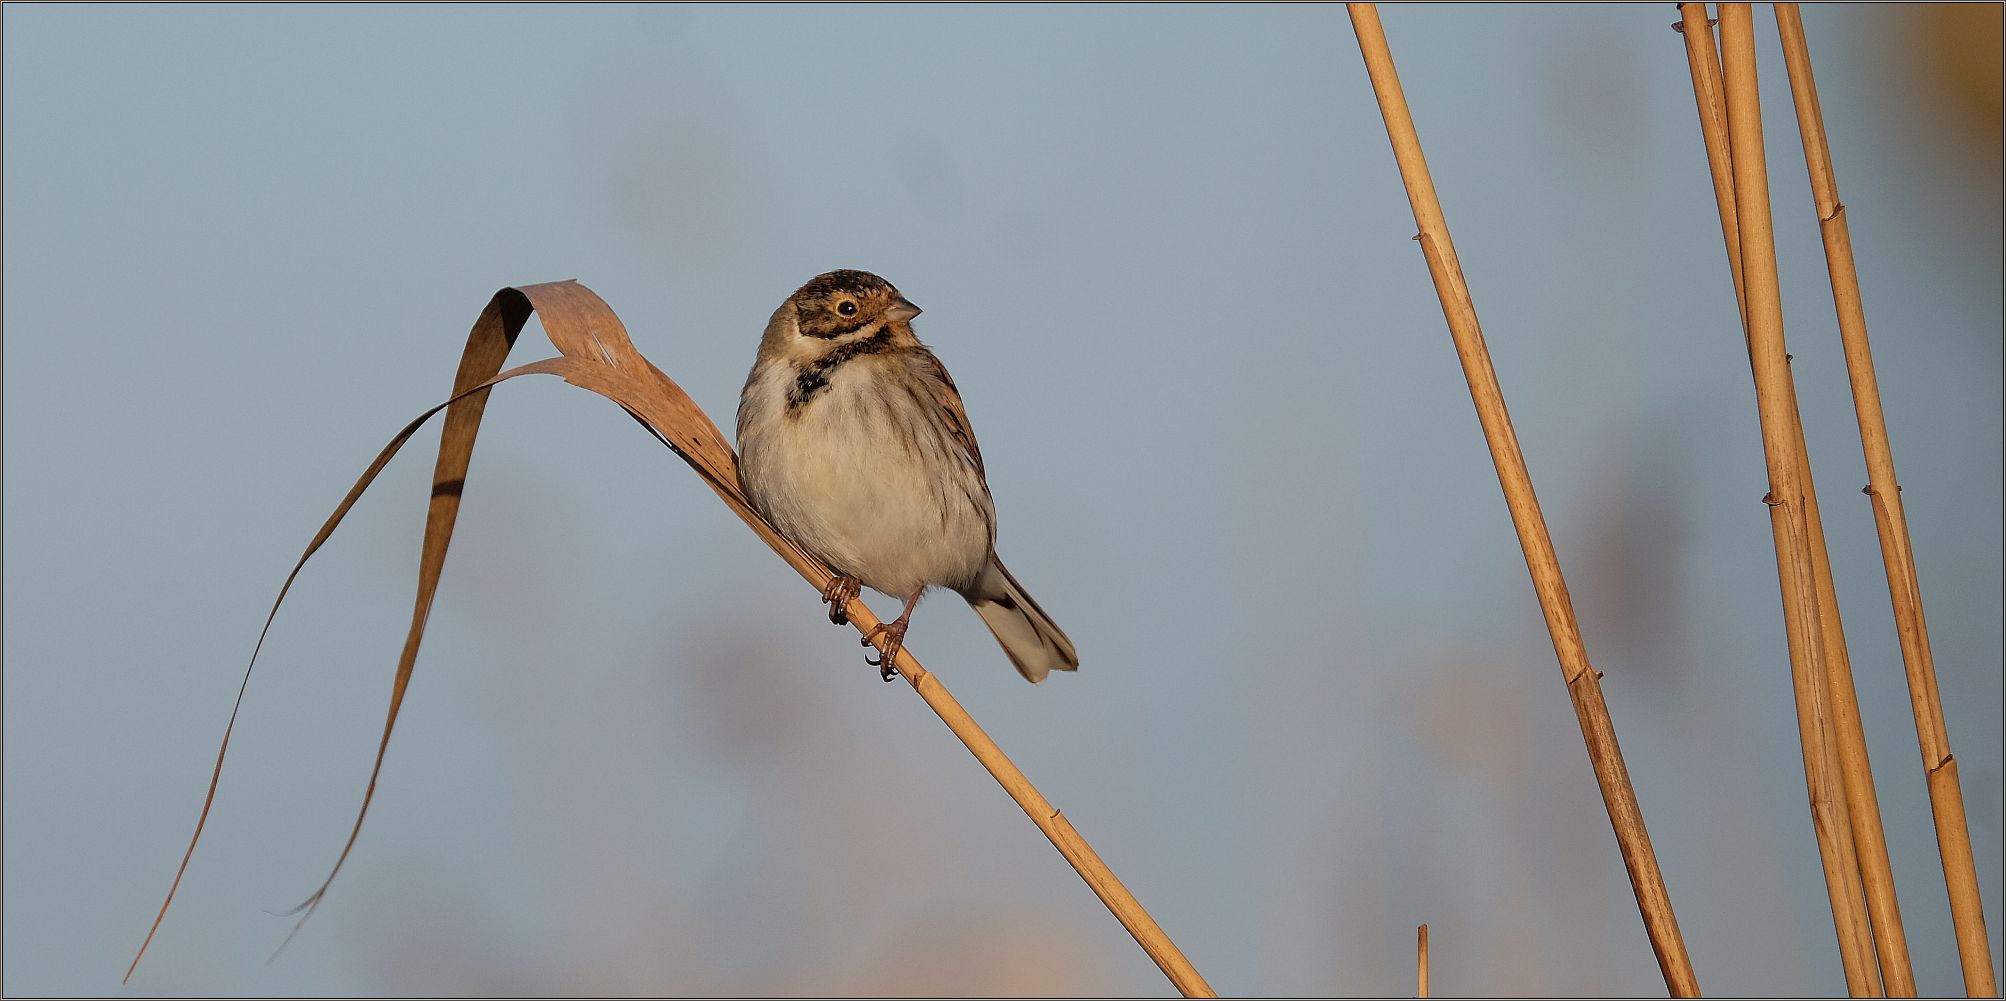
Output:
x=949 y=400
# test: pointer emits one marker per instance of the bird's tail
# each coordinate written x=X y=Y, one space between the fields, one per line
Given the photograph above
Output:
x=1036 y=645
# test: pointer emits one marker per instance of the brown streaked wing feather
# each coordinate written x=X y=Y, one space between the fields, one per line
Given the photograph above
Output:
x=949 y=399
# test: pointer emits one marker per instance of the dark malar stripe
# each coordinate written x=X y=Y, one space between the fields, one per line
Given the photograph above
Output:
x=831 y=333
x=815 y=375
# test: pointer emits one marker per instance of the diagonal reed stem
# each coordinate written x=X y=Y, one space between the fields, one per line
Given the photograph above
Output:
x=1946 y=794
x=1836 y=699
x=1583 y=685
x=598 y=356
x=1845 y=810
x=1047 y=817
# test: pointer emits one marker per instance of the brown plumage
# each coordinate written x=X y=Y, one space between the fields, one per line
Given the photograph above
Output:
x=854 y=443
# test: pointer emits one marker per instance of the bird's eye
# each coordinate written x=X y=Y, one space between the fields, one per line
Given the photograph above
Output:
x=847 y=308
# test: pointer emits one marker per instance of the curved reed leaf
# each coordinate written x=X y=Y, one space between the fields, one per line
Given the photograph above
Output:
x=597 y=355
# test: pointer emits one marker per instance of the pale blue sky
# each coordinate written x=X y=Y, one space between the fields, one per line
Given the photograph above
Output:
x=1166 y=255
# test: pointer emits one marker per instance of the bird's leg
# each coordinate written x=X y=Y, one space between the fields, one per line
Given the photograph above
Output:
x=894 y=633
x=842 y=590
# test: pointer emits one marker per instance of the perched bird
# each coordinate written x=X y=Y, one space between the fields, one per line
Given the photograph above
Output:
x=853 y=443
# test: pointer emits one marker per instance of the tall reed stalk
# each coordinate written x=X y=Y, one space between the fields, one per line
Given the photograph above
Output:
x=1846 y=819
x=1598 y=731
x=1946 y=794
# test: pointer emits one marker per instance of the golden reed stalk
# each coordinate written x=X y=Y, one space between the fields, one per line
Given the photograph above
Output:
x=1834 y=841
x=1421 y=963
x=1583 y=685
x=1846 y=819
x=1946 y=794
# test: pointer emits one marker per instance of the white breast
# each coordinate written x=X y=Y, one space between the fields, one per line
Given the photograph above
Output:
x=862 y=476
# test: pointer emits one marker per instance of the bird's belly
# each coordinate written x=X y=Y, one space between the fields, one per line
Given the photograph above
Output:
x=869 y=506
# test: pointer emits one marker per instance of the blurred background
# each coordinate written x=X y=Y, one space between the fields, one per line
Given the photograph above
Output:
x=1167 y=256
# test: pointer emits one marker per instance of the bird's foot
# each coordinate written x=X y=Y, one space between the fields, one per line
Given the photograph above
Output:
x=842 y=590
x=893 y=633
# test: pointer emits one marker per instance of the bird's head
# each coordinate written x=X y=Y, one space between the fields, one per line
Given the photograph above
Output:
x=846 y=305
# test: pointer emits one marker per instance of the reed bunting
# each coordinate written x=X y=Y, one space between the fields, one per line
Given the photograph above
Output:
x=853 y=443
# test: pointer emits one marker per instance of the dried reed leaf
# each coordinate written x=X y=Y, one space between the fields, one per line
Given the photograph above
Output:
x=598 y=356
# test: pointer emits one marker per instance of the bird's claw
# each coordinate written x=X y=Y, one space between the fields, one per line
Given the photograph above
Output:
x=894 y=634
x=842 y=590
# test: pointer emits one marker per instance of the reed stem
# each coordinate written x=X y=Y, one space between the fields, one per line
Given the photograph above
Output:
x=1047 y=817
x=1421 y=964
x=691 y=433
x=1842 y=805
x=1583 y=684
x=1890 y=523
x=598 y=356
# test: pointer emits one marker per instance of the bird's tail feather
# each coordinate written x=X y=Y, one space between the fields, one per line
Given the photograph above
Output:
x=1033 y=642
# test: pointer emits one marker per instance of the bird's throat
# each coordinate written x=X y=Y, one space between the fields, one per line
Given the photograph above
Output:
x=813 y=379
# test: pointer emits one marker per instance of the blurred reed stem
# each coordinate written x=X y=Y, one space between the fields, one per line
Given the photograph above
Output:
x=1946 y=794
x=1845 y=813
x=1583 y=685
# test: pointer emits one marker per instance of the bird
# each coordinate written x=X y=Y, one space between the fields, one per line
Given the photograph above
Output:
x=854 y=445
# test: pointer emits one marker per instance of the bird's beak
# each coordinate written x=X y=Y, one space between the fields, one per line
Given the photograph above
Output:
x=900 y=310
